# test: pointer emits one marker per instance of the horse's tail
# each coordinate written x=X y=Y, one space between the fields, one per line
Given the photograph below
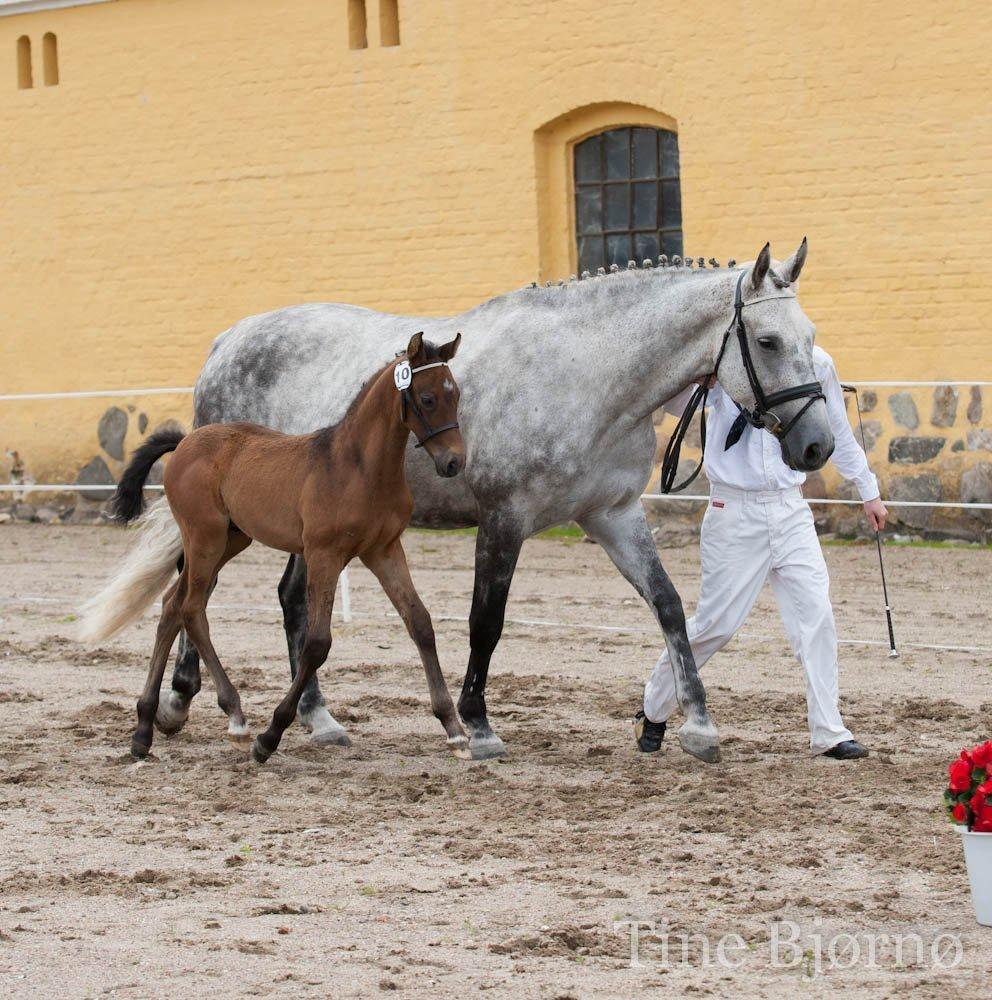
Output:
x=128 y=501
x=145 y=573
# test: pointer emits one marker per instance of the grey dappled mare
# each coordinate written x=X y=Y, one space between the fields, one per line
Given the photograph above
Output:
x=558 y=387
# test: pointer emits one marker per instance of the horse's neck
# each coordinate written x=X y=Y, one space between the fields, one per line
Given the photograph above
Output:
x=376 y=429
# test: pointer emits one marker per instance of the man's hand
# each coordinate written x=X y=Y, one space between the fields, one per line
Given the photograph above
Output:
x=876 y=513
x=706 y=380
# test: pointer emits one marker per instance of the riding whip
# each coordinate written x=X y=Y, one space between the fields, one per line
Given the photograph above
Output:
x=893 y=652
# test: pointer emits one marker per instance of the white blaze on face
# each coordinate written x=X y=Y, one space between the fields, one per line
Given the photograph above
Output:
x=448 y=384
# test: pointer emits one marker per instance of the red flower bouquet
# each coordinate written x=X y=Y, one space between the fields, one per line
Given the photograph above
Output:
x=968 y=797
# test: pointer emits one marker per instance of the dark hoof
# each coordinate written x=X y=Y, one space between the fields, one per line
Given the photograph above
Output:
x=648 y=734
x=847 y=750
x=259 y=753
x=139 y=751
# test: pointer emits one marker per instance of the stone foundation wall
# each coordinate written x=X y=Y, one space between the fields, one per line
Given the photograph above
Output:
x=925 y=444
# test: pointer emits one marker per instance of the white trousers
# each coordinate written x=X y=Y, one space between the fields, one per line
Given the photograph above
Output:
x=746 y=538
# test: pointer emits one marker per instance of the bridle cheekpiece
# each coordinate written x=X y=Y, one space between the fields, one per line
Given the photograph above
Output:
x=403 y=378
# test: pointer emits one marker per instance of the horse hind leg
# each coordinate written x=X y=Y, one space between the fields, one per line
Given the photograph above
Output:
x=312 y=712
x=168 y=628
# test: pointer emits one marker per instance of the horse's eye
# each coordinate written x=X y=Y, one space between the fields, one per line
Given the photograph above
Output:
x=427 y=400
x=769 y=343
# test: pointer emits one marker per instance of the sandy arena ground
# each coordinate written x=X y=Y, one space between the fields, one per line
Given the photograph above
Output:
x=391 y=866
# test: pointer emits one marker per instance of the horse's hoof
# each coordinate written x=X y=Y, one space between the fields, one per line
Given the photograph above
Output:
x=700 y=741
x=139 y=751
x=331 y=737
x=488 y=747
x=171 y=715
x=239 y=736
x=259 y=754
x=459 y=746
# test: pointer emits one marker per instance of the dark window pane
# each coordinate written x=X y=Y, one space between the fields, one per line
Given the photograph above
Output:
x=589 y=210
x=671 y=204
x=671 y=243
x=645 y=245
x=669 y=143
x=645 y=152
x=646 y=205
x=590 y=253
x=617 y=206
x=617 y=153
x=617 y=250
x=587 y=160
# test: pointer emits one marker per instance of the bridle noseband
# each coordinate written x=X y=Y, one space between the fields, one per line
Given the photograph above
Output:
x=758 y=417
x=407 y=399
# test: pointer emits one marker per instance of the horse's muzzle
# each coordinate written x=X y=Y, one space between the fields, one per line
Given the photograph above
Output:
x=449 y=463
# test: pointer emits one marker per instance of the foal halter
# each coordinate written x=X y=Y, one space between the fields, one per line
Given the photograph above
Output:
x=408 y=399
x=758 y=417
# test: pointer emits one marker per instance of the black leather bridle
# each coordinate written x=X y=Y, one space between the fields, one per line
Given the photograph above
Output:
x=764 y=402
x=407 y=399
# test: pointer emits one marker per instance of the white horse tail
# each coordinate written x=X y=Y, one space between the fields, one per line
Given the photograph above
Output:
x=145 y=573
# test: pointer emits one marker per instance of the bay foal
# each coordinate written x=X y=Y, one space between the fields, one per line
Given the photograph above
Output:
x=329 y=496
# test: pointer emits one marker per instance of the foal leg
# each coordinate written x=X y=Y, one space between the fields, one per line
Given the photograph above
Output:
x=202 y=567
x=323 y=577
x=312 y=710
x=497 y=547
x=624 y=534
x=392 y=572
x=168 y=628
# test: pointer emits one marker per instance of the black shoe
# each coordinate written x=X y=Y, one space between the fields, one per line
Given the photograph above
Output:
x=648 y=734
x=847 y=750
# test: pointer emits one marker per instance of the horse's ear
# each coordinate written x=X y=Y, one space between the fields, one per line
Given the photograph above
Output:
x=792 y=268
x=448 y=351
x=415 y=346
x=761 y=266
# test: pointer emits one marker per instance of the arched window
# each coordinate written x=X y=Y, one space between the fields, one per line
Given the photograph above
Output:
x=358 y=37
x=50 y=59
x=24 y=78
x=628 y=204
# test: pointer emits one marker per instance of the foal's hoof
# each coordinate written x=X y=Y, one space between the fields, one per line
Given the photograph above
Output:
x=487 y=747
x=459 y=746
x=331 y=737
x=171 y=715
x=259 y=753
x=700 y=741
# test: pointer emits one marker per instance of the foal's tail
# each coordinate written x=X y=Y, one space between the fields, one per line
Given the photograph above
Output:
x=144 y=574
x=128 y=501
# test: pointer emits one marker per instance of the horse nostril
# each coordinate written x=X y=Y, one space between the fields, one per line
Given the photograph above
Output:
x=453 y=466
x=811 y=455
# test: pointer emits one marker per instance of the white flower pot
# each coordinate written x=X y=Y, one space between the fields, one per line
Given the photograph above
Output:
x=978 y=858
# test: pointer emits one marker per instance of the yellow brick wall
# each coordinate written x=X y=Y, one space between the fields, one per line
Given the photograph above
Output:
x=201 y=161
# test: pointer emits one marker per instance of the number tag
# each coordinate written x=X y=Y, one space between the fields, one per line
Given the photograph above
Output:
x=402 y=375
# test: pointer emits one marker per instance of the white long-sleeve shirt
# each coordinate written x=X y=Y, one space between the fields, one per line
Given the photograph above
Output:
x=755 y=462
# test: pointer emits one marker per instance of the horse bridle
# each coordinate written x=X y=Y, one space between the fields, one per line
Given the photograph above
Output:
x=758 y=417
x=407 y=399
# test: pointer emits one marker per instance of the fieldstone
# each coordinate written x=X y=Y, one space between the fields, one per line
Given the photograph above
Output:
x=47 y=515
x=904 y=410
x=142 y=423
x=958 y=445
x=869 y=400
x=24 y=512
x=914 y=450
x=675 y=535
x=96 y=473
x=85 y=514
x=698 y=487
x=945 y=406
x=872 y=432
x=922 y=488
x=814 y=488
x=975 y=405
x=980 y=439
x=976 y=487
x=111 y=431
x=5 y=518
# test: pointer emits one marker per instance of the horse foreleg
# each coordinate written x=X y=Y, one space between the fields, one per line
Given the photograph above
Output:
x=323 y=577
x=626 y=538
x=312 y=711
x=391 y=570
x=497 y=547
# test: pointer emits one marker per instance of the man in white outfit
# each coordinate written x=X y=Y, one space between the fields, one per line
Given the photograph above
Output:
x=757 y=525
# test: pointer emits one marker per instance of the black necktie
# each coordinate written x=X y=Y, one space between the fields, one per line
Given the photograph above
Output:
x=736 y=430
